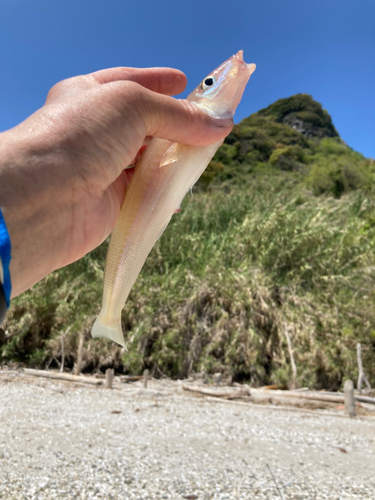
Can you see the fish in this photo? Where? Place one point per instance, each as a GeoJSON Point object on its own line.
{"type": "Point", "coordinates": [164, 173]}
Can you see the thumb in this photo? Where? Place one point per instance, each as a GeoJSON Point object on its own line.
{"type": "Point", "coordinates": [176, 120]}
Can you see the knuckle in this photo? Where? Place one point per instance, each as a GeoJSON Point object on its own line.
{"type": "Point", "coordinates": [56, 90]}
{"type": "Point", "coordinates": [127, 90]}
{"type": "Point", "coordinates": [129, 97]}
{"type": "Point", "coordinates": [190, 110]}
{"type": "Point", "coordinates": [69, 85]}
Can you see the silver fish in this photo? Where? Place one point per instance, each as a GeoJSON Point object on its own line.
{"type": "Point", "coordinates": [162, 177]}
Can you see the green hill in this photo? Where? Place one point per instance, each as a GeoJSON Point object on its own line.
{"type": "Point", "coordinates": [277, 241]}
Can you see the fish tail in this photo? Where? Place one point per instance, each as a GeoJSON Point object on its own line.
{"type": "Point", "coordinates": [112, 331]}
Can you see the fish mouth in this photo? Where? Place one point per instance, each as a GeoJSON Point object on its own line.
{"type": "Point", "coordinates": [239, 56]}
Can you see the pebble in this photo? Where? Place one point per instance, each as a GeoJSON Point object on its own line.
{"type": "Point", "coordinates": [58, 441]}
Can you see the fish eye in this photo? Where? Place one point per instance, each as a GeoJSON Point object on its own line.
{"type": "Point", "coordinates": [207, 83]}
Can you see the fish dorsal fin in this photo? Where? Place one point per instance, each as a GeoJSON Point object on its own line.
{"type": "Point", "coordinates": [170, 156]}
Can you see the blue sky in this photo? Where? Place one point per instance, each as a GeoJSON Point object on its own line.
{"type": "Point", "coordinates": [322, 47]}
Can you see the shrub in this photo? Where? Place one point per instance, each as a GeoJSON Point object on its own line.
{"type": "Point", "coordinates": [338, 176]}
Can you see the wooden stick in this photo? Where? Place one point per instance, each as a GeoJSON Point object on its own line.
{"type": "Point", "coordinates": [274, 479]}
{"type": "Point", "coordinates": [62, 354]}
{"type": "Point", "coordinates": [130, 378]}
{"type": "Point", "coordinates": [349, 398]}
{"type": "Point", "coordinates": [277, 407]}
{"type": "Point", "coordinates": [292, 362]}
{"type": "Point", "coordinates": [57, 362]}
{"type": "Point", "coordinates": [62, 376]}
{"type": "Point", "coordinates": [277, 394]}
{"type": "Point", "coordinates": [109, 374]}
{"type": "Point", "coordinates": [145, 378]}
{"type": "Point", "coordinates": [216, 394]}
{"type": "Point", "coordinates": [305, 395]}
{"type": "Point", "coordinates": [361, 374]}
{"type": "Point", "coordinates": [80, 353]}
{"type": "Point", "coordinates": [49, 362]}
{"type": "Point", "coordinates": [364, 399]}
{"type": "Point", "coordinates": [329, 397]}
{"type": "Point", "coordinates": [62, 348]}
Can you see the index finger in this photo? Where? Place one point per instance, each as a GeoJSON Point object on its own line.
{"type": "Point", "coordinates": [168, 81]}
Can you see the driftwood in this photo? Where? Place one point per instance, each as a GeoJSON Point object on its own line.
{"type": "Point", "coordinates": [324, 397]}
{"type": "Point", "coordinates": [130, 378]}
{"type": "Point", "coordinates": [62, 376]}
{"type": "Point", "coordinates": [361, 374]}
{"type": "Point", "coordinates": [303, 395]}
{"type": "Point", "coordinates": [315, 396]}
{"type": "Point", "coordinates": [349, 398]}
{"type": "Point", "coordinates": [217, 394]}
{"type": "Point", "coordinates": [364, 399]}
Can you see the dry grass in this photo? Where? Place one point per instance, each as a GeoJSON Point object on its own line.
{"type": "Point", "coordinates": [238, 265]}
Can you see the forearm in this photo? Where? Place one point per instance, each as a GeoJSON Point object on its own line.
{"type": "Point", "coordinates": [27, 209]}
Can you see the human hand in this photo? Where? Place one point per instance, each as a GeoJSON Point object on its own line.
{"type": "Point", "coordinates": [62, 171]}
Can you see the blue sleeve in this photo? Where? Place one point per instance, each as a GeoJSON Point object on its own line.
{"type": "Point", "coordinates": [5, 249]}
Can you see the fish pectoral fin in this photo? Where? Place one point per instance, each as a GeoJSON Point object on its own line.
{"type": "Point", "coordinates": [170, 156]}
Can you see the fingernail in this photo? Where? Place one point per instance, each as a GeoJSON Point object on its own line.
{"type": "Point", "coordinates": [222, 122]}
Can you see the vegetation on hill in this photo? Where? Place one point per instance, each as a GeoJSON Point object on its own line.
{"type": "Point", "coordinates": [277, 240]}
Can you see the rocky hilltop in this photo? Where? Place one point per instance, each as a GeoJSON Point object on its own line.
{"type": "Point", "coordinates": [303, 114]}
{"type": "Point", "coordinates": [292, 134]}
